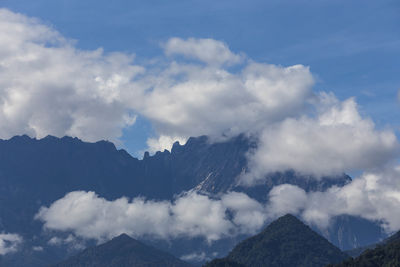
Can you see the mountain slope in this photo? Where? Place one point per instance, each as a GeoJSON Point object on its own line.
{"type": "Point", "coordinates": [122, 251]}
{"type": "Point", "coordinates": [286, 242]}
{"type": "Point", "coordinates": [386, 254]}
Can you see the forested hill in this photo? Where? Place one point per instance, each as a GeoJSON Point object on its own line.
{"type": "Point", "coordinates": [285, 242]}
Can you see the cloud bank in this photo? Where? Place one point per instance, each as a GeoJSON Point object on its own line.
{"type": "Point", "coordinates": [192, 215]}
{"type": "Point", "coordinates": [374, 196]}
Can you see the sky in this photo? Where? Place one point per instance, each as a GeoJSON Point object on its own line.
{"type": "Point", "coordinates": [351, 47]}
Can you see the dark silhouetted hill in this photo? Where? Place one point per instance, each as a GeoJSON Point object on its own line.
{"type": "Point", "coordinates": [122, 251]}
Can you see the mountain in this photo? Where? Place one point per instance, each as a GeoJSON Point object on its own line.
{"type": "Point", "coordinates": [37, 172]}
{"type": "Point", "coordinates": [386, 254]}
{"type": "Point", "coordinates": [285, 242]}
{"type": "Point", "coordinates": [44, 170]}
{"type": "Point", "coordinates": [122, 251]}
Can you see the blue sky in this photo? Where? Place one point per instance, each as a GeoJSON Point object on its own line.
{"type": "Point", "coordinates": [352, 47]}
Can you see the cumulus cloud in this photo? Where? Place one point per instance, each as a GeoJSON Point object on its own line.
{"type": "Point", "coordinates": [191, 215]}
{"type": "Point", "coordinates": [191, 100]}
{"type": "Point", "coordinates": [9, 243]}
{"type": "Point", "coordinates": [374, 196]}
{"type": "Point", "coordinates": [47, 86]}
{"type": "Point", "coordinates": [337, 140]}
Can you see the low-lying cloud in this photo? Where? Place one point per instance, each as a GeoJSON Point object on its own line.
{"type": "Point", "coordinates": [374, 196]}
{"type": "Point", "coordinates": [192, 215]}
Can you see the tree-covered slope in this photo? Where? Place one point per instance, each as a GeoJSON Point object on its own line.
{"type": "Point", "coordinates": [122, 251]}
{"type": "Point", "coordinates": [286, 242]}
{"type": "Point", "coordinates": [385, 254]}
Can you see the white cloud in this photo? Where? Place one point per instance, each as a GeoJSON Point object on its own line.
{"type": "Point", "coordinates": [374, 196]}
{"type": "Point", "coordinates": [9, 243]}
{"type": "Point", "coordinates": [286, 198]}
{"type": "Point", "coordinates": [248, 214]}
{"type": "Point", "coordinates": [191, 215]}
{"type": "Point", "coordinates": [337, 140]}
{"type": "Point", "coordinates": [192, 100]}
{"type": "Point", "coordinates": [209, 51]}
{"type": "Point", "coordinates": [163, 142]}
{"type": "Point", "coordinates": [47, 86]}
{"type": "Point", "coordinates": [195, 257]}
